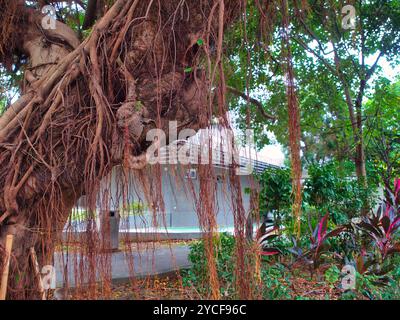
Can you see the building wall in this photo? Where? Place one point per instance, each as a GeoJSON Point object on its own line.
{"type": "Point", "coordinates": [180, 205]}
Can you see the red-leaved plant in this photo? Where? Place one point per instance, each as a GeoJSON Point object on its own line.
{"type": "Point", "coordinates": [264, 242]}
{"type": "Point", "coordinates": [318, 243]}
{"type": "Point", "coordinates": [384, 224]}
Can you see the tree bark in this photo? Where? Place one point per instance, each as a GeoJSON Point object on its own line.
{"type": "Point", "coordinates": [88, 106]}
{"type": "Point", "coordinates": [355, 116]}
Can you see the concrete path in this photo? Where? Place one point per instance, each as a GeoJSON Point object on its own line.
{"type": "Point", "coordinates": [152, 261]}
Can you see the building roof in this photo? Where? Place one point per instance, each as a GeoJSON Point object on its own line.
{"type": "Point", "coordinates": [195, 154]}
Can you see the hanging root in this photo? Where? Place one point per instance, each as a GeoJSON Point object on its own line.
{"type": "Point", "coordinates": [294, 121]}
{"type": "Point", "coordinates": [87, 107]}
{"type": "Point", "coordinates": [9, 34]}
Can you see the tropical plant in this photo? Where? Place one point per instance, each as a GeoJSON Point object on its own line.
{"type": "Point", "coordinates": [332, 275]}
{"type": "Point", "coordinates": [265, 241]}
{"type": "Point", "coordinates": [382, 226]}
{"type": "Point", "coordinates": [374, 243]}
{"type": "Point", "coordinates": [318, 244]}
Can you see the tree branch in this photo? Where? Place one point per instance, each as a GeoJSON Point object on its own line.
{"type": "Point", "coordinates": [255, 102]}
{"type": "Point", "coordinates": [318, 56]}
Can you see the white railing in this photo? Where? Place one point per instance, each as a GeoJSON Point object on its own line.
{"type": "Point", "coordinates": [219, 158]}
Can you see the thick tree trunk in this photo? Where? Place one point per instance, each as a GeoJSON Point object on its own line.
{"type": "Point", "coordinates": [88, 106]}
{"type": "Point", "coordinates": [22, 283]}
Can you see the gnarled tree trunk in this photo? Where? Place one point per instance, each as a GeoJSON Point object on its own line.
{"type": "Point", "coordinates": [87, 106]}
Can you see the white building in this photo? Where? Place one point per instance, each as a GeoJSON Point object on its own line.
{"type": "Point", "coordinates": [123, 192]}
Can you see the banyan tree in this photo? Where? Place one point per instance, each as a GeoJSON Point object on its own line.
{"type": "Point", "coordinates": [87, 99]}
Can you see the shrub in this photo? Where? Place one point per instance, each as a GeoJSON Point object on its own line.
{"type": "Point", "coordinates": [318, 245]}
{"type": "Point", "coordinates": [276, 188]}
{"type": "Point", "coordinates": [329, 188]}
{"type": "Point", "coordinates": [197, 275]}
{"type": "Point", "coordinates": [272, 276]}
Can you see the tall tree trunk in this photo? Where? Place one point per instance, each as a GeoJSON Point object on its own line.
{"type": "Point", "coordinates": [294, 120]}
{"type": "Point", "coordinates": [355, 116]}
{"type": "Point", "coordinates": [360, 161]}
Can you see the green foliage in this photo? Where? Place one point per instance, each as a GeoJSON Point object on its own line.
{"type": "Point", "coordinates": [3, 104]}
{"type": "Point", "coordinates": [368, 285]}
{"type": "Point", "coordinates": [302, 298]}
{"type": "Point", "coordinates": [325, 121]}
{"type": "Point", "coordinates": [383, 139]}
{"type": "Point", "coordinates": [332, 275]}
{"type": "Point", "coordinates": [275, 279]}
{"type": "Point", "coordinates": [197, 275]}
{"type": "Point", "coordinates": [330, 188]}
{"type": "Point", "coordinates": [375, 287]}
{"type": "Point", "coordinates": [79, 215]}
{"type": "Point", "coordinates": [349, 295]}
{"type": "Point", "coordinates": [73, 15]}
{"type": "Point", "coordinates": [10, 81]}
{"type": "Point", "coordinates": [133, 208]}
{"type": "Point", "coordinates": [276, 282]}
{"type": "Point", "coordinates": [321, 185]}
{"type": "Point", "coordinates": [392, 290]}
{"type": "Point", "coordinates": [276, 188]}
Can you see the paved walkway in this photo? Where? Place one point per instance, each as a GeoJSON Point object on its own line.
{"type": "Point", "coordinates": [152, 261]}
